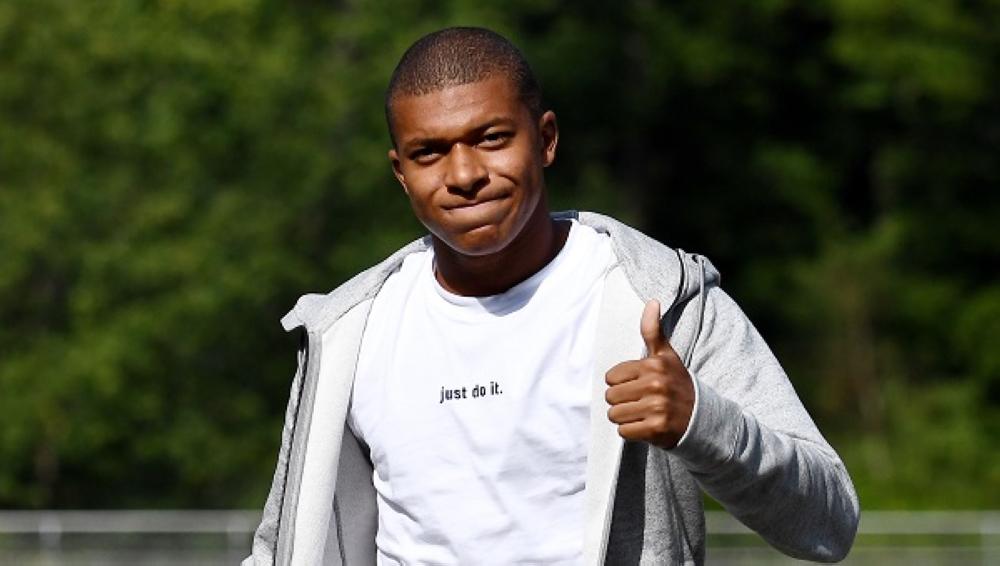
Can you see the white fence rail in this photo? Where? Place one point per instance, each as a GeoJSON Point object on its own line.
{"type": "Point", "coordinates": [122, 522]}
{"type": "Point", "coordinates": [240, 522]}
{"type": "Point", "coordinates": [983, 523]}
{"type": "Point", "coordinates": [222, 537]}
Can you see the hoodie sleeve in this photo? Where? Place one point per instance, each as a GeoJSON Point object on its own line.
{"type": "Point", "coordinates": [752, 446]}
{"type": "Point", "coordinates": [265, 538]}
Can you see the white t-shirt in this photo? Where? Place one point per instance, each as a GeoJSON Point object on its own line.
{"type": "Point", "coordinates": [476, 411]}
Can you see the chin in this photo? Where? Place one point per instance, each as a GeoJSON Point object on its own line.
{"type": "Point", "coordinates": [482, 241]}
{"type": "Point", "coordinates": [480, 237]}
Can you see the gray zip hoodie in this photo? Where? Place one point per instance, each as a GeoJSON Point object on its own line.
{"type": "Point", "coordinates": [750, 445]}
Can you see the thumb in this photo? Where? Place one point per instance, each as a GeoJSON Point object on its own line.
{"type": "Point", "coordinates": [649, 326]}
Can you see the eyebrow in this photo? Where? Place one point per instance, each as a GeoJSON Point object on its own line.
{"type": "Point", "coordinates": [431, 140]}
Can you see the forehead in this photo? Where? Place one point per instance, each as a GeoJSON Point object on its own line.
{"type": "Point", "coordinates": [455, 109]}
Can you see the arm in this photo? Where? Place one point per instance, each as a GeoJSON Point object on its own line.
{"type": "Point", "coordinates": [741, 431]}
{"type": "Point", "coordinates": [753, 447]}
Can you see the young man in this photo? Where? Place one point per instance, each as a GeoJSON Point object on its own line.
{"type": "Point", "coordinates": [503, 391]}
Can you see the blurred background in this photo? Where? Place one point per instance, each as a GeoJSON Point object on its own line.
{"type": "Point", "coordinates": [174, 173]}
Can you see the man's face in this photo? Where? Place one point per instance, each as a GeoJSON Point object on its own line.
{"type": "Point", "coordinates": [470, 157]}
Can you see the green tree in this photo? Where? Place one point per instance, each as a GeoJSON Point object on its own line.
{"type": "Point", "coordinates": [173, 173]}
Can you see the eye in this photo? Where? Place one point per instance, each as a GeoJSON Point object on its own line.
{"type": "Point", "coordinates": [423, 154]}
{"type": "Point", "coordinates": [495, 139]}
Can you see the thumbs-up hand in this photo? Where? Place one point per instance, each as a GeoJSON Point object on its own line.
{"type": "Point", "coordinates": [651, 399]}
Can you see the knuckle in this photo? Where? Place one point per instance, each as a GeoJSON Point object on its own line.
{"type": "Point", "coordinates": [657, 364]}
{"type": "Point", "coordinates": [656, 385]}
{"type": "Point", "coordinates": [658, 406]}
{"type": "Point", "coordinates": [658, 423]}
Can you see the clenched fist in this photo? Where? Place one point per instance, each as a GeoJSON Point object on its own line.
{"type": "Point", "coordinates": [651, 399]}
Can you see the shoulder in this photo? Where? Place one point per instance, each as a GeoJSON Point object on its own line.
{"type": "Point", "coordinates": [653, 269]}
{"type": "Point", "coordinates": [317, 311]}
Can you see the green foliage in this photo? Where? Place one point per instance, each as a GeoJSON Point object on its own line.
{"type": "Point", "coordinates": [173, 173]}
{"type": "Point", "coordinates": [168, 188]}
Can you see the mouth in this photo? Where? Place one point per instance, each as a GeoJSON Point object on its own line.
{"type": "Point", "coordinates": [475, 203]}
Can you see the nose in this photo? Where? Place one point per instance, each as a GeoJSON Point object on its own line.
{"type": "Point", "coordinates": [465, 172]}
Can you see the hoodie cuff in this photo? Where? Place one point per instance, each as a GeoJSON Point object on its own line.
{"type": "Point", "coordinates": [710, 438]}
{"type": "Point", "coordinates": [694, 412]}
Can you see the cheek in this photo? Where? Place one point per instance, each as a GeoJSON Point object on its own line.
{"type": "Point", "coordinates": [517, 166]}
{"type": "Point", "coordinates": [420, 189]}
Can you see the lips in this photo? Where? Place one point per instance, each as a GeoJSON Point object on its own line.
{"type": "Point", "coordinates": [474, 203]}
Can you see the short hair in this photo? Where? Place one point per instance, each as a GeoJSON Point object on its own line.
{"type": "Point", "coordinates": [457, 56]}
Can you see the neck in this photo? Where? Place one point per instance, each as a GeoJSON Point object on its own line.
{"type": "Point", "coordinates": [480, 276]}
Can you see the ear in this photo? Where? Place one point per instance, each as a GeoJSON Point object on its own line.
{"type": "Point", "coordinates": [548, 129]}
{"type": "Point", "coordinates": [397, 170]}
